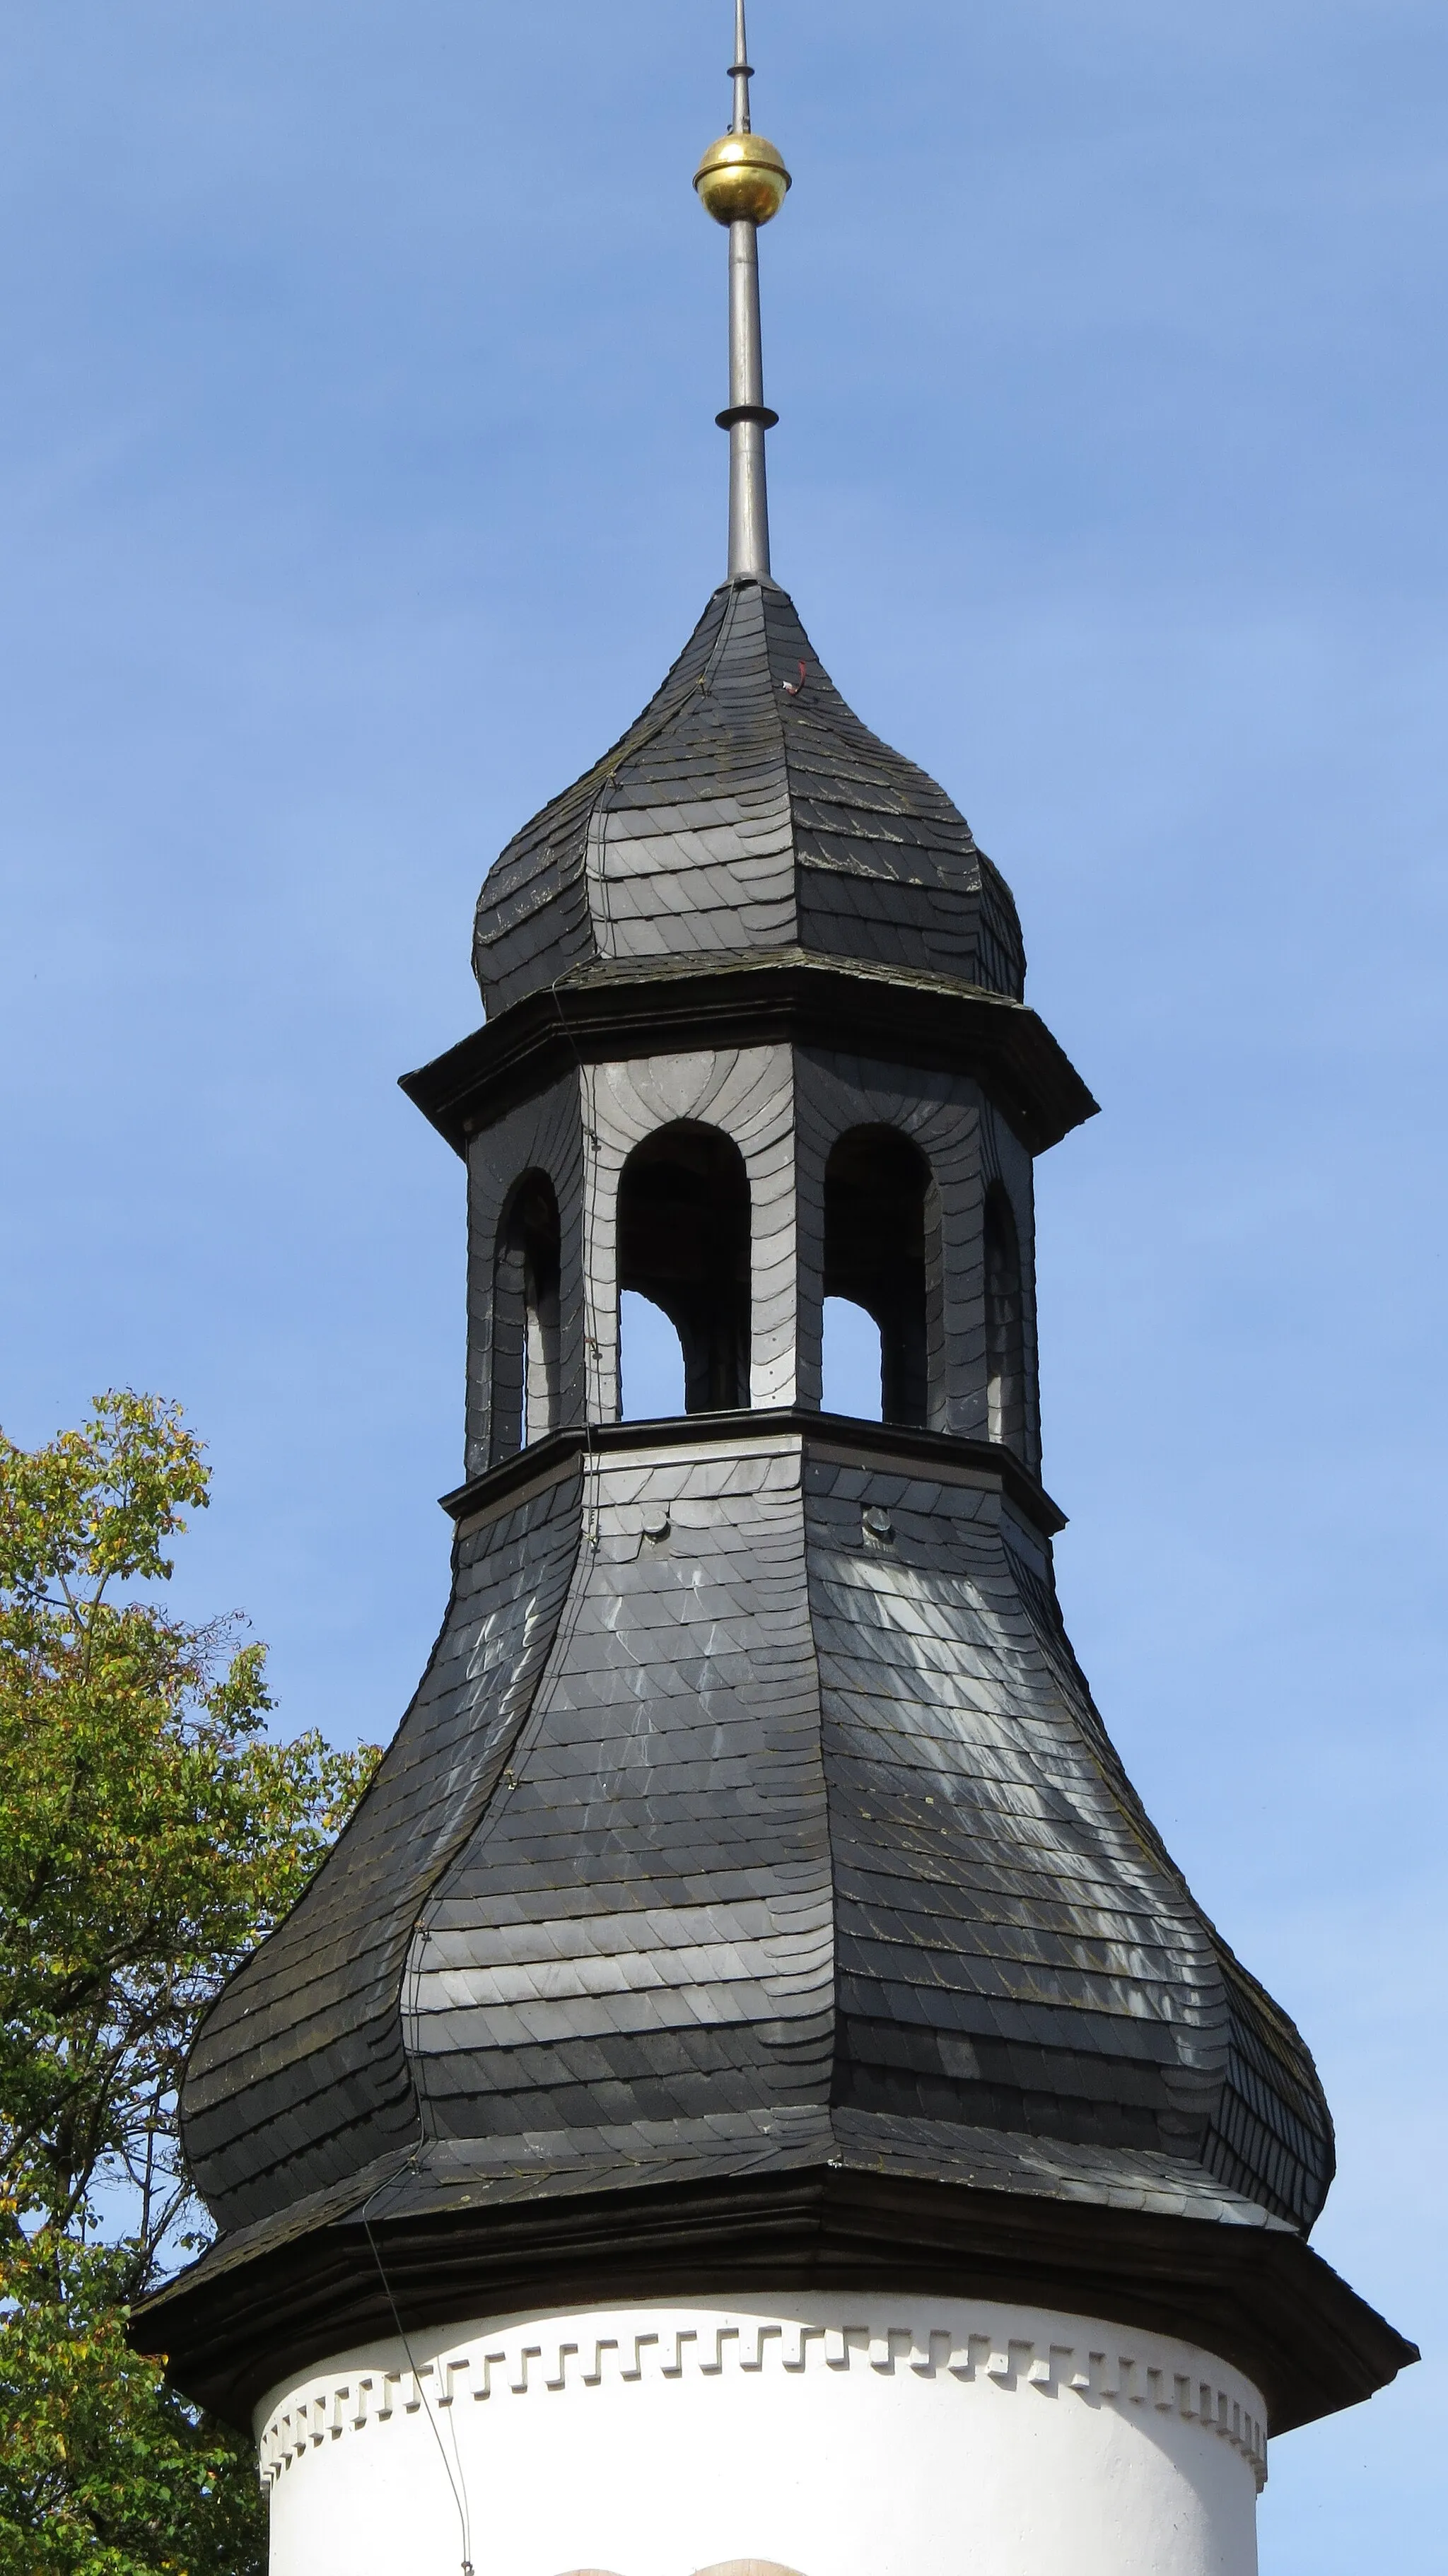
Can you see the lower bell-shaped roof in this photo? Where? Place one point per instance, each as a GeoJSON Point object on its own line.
{"type": "Point", "coordinates": [753, 1834]}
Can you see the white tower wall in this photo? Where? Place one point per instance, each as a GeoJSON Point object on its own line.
{"type": "Point", "coordinates": [828, 2435]}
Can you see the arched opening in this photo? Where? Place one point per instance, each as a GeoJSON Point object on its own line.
{"type": "Point", "coordinates": [525, 1318]}
{"type": "Point", "coordinates": [683, 1243]}
{"type": "Point", "coordinates": [748, 2567]}
{"type": "Point", "coordinates": [650, 1361]}
{"type": "Point", "coordinates": [852, 1361]}
{"type": "Point", "coordinates": [877, 1185]}
{"type": "Point", "coordinates": [1005, 1332]}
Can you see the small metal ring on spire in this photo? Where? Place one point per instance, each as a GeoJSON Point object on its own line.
{"type": "Point", "coordinates": [761, 412]}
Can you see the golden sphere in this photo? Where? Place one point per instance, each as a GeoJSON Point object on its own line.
{"type": "Point", "coordinates": [741, 176]}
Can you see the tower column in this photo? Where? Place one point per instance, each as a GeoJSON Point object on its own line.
{"type": "Point", "coordinates": [750, 2093]}
{"type": "Point", "coordinates": [882, 2435]}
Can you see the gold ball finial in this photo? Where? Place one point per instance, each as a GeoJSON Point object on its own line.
{"type": "Point", "coordinates": [741, 178]}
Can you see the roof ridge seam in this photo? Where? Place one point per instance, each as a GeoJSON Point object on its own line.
{"type": "Point", "coordinates": [777, 711]}
{"type": "Point", "coordinates": [638, 739]}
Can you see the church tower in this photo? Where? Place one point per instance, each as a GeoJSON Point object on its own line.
{"type": "Point", "coordinates": [750, 2089]}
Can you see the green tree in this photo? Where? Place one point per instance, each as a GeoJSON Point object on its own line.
{"type": "Point", "coordinates": [150, 1833]}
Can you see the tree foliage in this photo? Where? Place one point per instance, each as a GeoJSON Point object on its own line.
{"type": "Point", "coordinates": [104, 2471]}
{"type": "Point", "coordinates": [150, 1832]}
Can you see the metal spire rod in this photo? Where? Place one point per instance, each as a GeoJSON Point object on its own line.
{"type": "Point", "coordinates": [741, 72]}
{"type": "Point", "coordinates": [742, 182]}
{"type": "Point", "coordinates": [748, 416]}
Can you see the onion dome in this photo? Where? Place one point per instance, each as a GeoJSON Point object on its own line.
{"type": "Point", "coordinates": [747, 809]}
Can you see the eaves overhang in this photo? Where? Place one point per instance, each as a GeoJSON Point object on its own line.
{"type": "Point", "coordinates": [255, 2312]}
{"type": "Point", "coordinates": [625, 1010]}
{"type": "Point", "coordinates": [832, 1436]}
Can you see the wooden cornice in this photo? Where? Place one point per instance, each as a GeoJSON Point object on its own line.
{"type": "Point", "coordinates": [616, 1012]}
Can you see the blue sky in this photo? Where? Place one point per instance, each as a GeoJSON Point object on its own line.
{"type": "Point", "coordinates": [358, 479]}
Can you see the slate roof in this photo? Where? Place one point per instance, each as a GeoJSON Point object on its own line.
{"type": "Point", "coordinates": [747, 809]}
{"type": "Point", "coordinates": [686, 1844]}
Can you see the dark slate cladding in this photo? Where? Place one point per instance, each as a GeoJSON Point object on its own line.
{"type": "Point", "coordinates": [640, 1929]}
{"type": "Point", "coordinates": [300, 2076]}
{"type": "Point", "coordinates": [1017, 1951]}
{"type": "Point", "coordinates": [746, 810]}
{"type": "Point", "coordinates": [770, 1821]}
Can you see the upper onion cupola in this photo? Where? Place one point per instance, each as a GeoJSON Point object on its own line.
{"type": "Point", "coordinates": [747, 809]}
